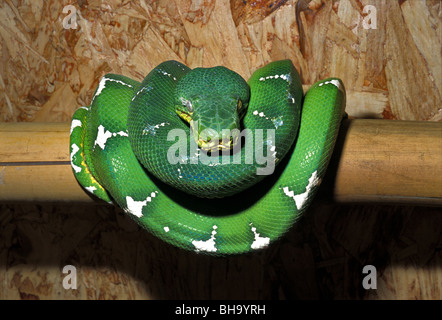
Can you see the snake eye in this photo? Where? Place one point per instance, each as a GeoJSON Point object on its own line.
{"type": "Point", "coordinates": [189, 106]}
{"type": "Point", "coordinates": [239, 105]}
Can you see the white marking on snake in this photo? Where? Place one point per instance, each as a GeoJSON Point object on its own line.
{"type": "Point", "coordinates": [102, 85]}
{"type": "Point", "coordinates": [147, 89]}
{"type": "Point", "coordinates": [273, 149]}
{"type": "Point", "coordinates": [167, 74]}
{"type": "Point", "coordinates": [103, 135]}
{"type": "Point", "coordinates": [208, 245]}
{"type": "Point", "coordinates": [136, 207]}
{"type": "Point", "coordinates": [74, 124]}
{"type": "Point", "coordinates": [277, 122]}
{"type": "Point", "coordinates": [161, 124]}
{"type": "Point", "coordinates": [75, 149]}
{"type": "Point", "coordinates": [91, 189]}
{"type": "Point", "coordinates": [260, 114]}
{"type": "Point", "coordinates": [334, 82]}
{"type": "Point", "coordinates": [292, 99]}
{"type": "Point", "coordinates": [166, 229]}
{"type": "Point", "coordinates": [259, 242]}
{"type": "Point", "coordinates": [300, 199]}
{"type": "Point", "coordinates": [214, 164]}
{"type": "Point", "coordinates": [152, 129]}
{"type": "Point", "coordinates": [285, 77]}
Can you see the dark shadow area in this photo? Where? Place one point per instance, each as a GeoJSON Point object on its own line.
{"type": "Point", "coordinates": [321, 257]}
{"type": "Point", "coordinates": [328, 182]}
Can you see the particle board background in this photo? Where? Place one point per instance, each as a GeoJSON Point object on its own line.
{"type": "Point", "coordinates": [391, 72]}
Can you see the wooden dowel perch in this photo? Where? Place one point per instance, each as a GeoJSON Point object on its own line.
{"type": "Point", "coordinates": [375, 161]}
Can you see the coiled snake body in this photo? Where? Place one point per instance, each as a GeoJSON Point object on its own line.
{"type": "Point", "coordinates": [203, 159]}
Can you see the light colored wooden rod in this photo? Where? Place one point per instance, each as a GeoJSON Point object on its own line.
{"type": "Point", "coordinates": [35, 164]}
{"type": "Point", "coordinates": [385, 161]}
{"type": "Point", "coordinates": [375, 161]}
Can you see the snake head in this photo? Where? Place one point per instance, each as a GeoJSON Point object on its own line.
{"type": "Point", "coordinates": [212, 101]}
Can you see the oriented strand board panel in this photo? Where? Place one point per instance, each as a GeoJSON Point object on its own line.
{"type": "Point", "coordinates": [387, 52]}
{"type": "Point", "coordinates": [52, 56]}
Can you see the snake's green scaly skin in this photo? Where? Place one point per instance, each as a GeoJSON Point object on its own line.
{"type": "Point", "coordinates": [240, 211]}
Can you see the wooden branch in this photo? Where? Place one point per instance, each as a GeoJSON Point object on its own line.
{"type": "Point", "coordinates": [375, 161]}
{"type": "Point", "coordinates": [387, 161]}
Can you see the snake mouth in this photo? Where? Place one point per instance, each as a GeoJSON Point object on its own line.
{"type": "Point", "coordinates": [218, 144]}
{"type": "Point", "coordinates": [205, 142]}
{"type": "Point", "coordinates": [185, 116]}
{"type": "Point", "coordinates": [210, 140]}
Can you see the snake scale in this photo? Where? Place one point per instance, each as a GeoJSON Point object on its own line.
{"type": "Point", "coordinates": [205, 160]}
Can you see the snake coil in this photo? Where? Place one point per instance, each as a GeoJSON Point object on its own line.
{"type": "Point", "coordinates": [131, 147]}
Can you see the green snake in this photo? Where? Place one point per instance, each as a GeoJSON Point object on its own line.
{"type": "Point", "coordinates": [205, 160]}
